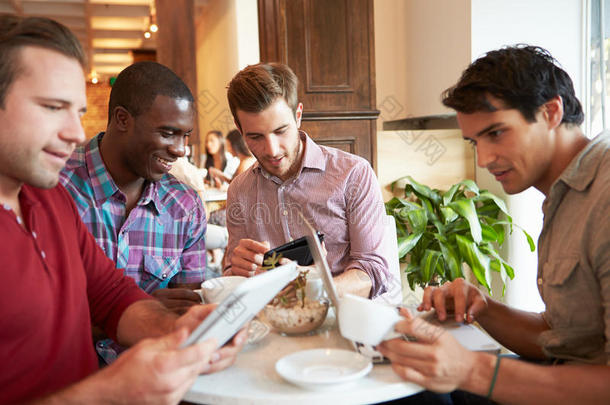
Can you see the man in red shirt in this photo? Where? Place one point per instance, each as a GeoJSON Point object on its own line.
{"type": "Point", "coordinates": [56, 281]}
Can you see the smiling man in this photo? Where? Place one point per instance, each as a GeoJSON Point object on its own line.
{"type": "Point", "coordinates": [518, 108]}
{"type": "Point", "coordinates": [144, 219]}
{"type": "Point", "coordinates": [336, 191]}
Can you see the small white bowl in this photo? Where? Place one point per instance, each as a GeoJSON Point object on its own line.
{"type": "Point", "coordinates": [217, 289]}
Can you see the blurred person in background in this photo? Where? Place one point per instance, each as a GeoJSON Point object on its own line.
{"type": "Point", "coordinates": [218, 162]}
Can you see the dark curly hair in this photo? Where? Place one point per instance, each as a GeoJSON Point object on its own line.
{"type": "Point", "coordinates": [523, 77]}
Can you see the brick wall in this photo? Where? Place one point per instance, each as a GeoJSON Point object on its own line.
{"type": "Point", "coordinates": [96, 118]}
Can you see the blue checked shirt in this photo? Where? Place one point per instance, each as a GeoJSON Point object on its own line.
{"type": "Point", "coordinates": [160, 242]}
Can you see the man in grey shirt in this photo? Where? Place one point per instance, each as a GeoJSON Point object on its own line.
{"type": "Point", "coordinates": [519, 110]}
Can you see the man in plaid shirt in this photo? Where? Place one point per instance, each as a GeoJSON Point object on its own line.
{"type": "Point", "coordinates": [143, 218]}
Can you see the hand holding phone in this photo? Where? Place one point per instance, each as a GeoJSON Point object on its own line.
{"type": "Point", "coordinates": [247, 257]}
{"type": "Point", "coordinates": [297, 250]}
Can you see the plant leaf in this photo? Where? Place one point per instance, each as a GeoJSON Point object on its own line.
{"type": "Point", "coordinates": [428, 264]}
{"type": "Point", "coordinates": [466, 209]}
{"type": "Point", "coordinates": [405, 244]}
{"type": "Point", "coordinates": [489, 234]}
{"type": "Point", "coordinates": [452, 260]}
{"type": "Point", "coordinates": [448, 196]}
{"type": "Point", "coordinates": [418, 220]}
{"type": "Point", "coordinates": [470, 185]}
{"type": "Point", "coordinates": [478, 262]}
{"type": "Point", "coordinates": [486, 195]}
{"type": "Point", "coordinates": [449, 215]}
{"type": "Point", "coordinates": [423, 191]}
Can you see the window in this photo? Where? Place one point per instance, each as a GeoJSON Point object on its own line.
{"type": "Point", "coordinates": [597, 101]}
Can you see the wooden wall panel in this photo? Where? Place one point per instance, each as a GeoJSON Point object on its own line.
{"type": "Point", "coordinates": [330, 46]}
{"type": "Point", "coordinates": [176, 44]}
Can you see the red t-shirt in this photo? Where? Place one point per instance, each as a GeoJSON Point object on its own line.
{"type": "Point", "coordinates": [54, 281]}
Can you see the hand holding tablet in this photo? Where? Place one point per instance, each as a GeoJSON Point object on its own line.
{"type": "Point", "coordinates": [246, 300]}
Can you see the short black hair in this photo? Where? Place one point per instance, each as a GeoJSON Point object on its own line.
{"type": "Point", "coordinates": [137, 86]}
{"type": "Point", "coordinates": [17, 32]}
{"type": "Point", "coordinates": [523, 77]}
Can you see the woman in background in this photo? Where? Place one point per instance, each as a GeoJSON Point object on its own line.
{"type": "Point", "coordinates": [220, 164]}
{"type": "Point", "coordinates": [237, 147]}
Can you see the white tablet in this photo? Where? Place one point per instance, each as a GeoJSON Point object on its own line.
{"type": "Point", "coordinates": [242, 305]}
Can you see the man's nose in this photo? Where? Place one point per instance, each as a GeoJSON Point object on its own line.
{"type": "Point", "coordinates": [272, 145]}
{"type": "Point", "coordinates": [485, 155]}
{"type": "Point", "coordinates": [72, 130]}
{"type": "Point", "coordinates": [178, 148]}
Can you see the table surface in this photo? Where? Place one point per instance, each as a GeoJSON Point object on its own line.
{"type": "Point", "coordinates": [253, 379]}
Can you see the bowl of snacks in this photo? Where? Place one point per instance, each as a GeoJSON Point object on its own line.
{"type": "Point", "coordinates": [299, 318]}
{"type": "Point", "coordinates": [299, 308]}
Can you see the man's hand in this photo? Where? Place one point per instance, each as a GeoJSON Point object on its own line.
{"type": "Point", "coordinates": [247, 257]}
{"type": "Point", "coordinates": [179, 300]}
{"type": "Point", "coordinates": [466, 301]}
{"type": "Point", "coordinates": [156, 371]}
{"type": "Point", "coordinates": [435, 360]}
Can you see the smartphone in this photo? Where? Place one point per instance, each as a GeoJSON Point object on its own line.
{"type": "Point", "coordinates": [297, 250]}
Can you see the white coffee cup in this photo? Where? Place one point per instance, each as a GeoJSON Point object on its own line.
{"type": "Point", "coordinates": [314, 289]}
{"type": "Point", "coordinates": [365, 321]}
{"type": "Point", "coordinates": [215, 290]}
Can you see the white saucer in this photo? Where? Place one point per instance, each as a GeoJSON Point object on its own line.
{"type": "Point", "coordinates": [320, 368]}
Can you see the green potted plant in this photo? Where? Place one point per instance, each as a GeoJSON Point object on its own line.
{"type": "Point", "coordinates": [438, 231]}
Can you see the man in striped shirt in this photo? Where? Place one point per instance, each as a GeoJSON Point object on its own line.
{"type": "Point", "coordinates": [336, 191]}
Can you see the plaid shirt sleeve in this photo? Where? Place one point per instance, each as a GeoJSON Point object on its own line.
{"type": "Point", "coordinates": [193, 260]}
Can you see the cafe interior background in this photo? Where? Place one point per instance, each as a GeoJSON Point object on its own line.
{"type": "Point", "coordinates": [371, 73]}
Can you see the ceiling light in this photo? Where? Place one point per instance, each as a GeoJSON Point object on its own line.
{"type": "Point", "coordinates": [147, 35]}
{"type": "Point", "coordinates": [153, 27]}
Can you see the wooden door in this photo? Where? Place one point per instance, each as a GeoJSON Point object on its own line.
{"type": "Point", "coordinates": [329, 44]}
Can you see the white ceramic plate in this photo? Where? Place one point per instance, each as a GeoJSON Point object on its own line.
{"type": "Point", "coordinates": [320, 368]}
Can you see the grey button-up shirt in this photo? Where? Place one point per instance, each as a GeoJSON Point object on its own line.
{"type": "Point", "coordinates": [574, 258]}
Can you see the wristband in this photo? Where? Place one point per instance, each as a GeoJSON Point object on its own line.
{"type": "Point", "coordinates": [495, 375]}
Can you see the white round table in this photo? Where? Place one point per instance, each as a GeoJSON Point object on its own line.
{"type": "Point", "coordinates": [253, 379]}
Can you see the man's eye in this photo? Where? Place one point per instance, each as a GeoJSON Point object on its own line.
{"type": "Point", "coordinates": [52, 107]}
{"type": "Point", "coordinates": [495, 133]}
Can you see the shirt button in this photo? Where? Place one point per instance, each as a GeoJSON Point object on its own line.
{"type": "Point", "coordinates": [19, 220]}
{"type": "Point", "coordinates": [285, 212]}
{"type": "Point", "coordinates": [540, 281]}
{"type": "Point", "coordinates": [164, 276]}
{"type": "Point", "coordinates": [34, 234]}
{"type": "Point", "coordinates": [6, 207]}
{"type": "Point", "coordinates": [43, 254]}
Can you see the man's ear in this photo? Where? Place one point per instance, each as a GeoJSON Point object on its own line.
{"type": "Point", "coordinates": [552, 112]}
{"type": "Point", "coordinates": [121, 118]}
{"type": "Point", "coordinates": [299, 114]}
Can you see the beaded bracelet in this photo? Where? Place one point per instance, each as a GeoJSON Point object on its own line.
{"type": "Point", "coordinates": [495, 375]}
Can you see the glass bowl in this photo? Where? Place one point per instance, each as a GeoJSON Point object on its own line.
{"type": "Point", "coordinates": [297, 319]}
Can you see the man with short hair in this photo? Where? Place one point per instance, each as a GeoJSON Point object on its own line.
{"type": "Point", "coordinates": [519, 110]}
{"type": "Point", "coordinates": [147, 221]}
{"type": "Point", "coordinates": [56, 280]}
{"type": "Point", "coordinates": [336, 191]}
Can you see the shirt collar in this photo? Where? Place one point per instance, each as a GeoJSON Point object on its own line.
{"type": "Point", "coordinates": [583, 168]}
{"type": "Point", "coordinates": [104, 186]}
